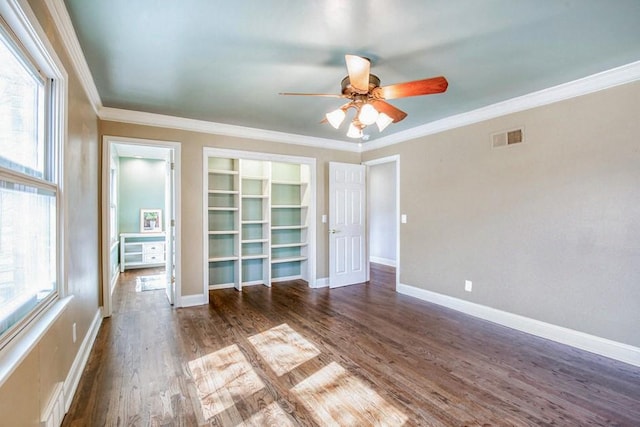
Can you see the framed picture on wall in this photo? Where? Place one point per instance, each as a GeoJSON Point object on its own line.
{"type": "Point", "coordinates": [150, 220]}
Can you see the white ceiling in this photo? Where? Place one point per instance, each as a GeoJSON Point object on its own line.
{"type": "Point", "coordinates": [226, 62]}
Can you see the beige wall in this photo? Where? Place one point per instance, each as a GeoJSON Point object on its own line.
{"type": "Point", "coordinates": [192, 144]}
{"type": "Point", "coordinates": [24, 394]}
{"type": "Point", "coordinates": [548, 229]}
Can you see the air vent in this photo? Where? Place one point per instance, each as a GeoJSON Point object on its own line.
{"type": "Point", "coordinates": [509, 137]}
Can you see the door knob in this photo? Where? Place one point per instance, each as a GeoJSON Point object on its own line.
{"type": "Point", "coordinates": [334, 231]}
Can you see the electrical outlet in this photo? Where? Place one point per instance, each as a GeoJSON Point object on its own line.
{"type": "Point", "coordinates": [73, 330]}
{"type": "Point", "coordinates": [403, 218]}
{"type": "Point", "coordinates": [468, 285]}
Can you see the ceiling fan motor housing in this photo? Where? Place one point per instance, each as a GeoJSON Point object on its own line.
{"type": "Point", "coordinates": [350, 91]}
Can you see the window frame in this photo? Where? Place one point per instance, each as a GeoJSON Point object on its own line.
{"type": "Point", "coordinates": [20, 25]}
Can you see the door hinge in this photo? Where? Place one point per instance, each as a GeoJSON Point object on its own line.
{"type": "Point", "coordinates": [173, 222]}
{"type": "Point", "coordinates": [173, 166]}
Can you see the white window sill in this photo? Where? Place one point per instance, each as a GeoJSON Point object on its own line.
{"type": "Point", "coordinates": [17, 350]}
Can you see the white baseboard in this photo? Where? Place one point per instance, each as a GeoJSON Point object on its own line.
{"type": "Point", "coordinates": [322, 282]}
{"type": "Point", "coordinates": [193, 300]}
{"type": "Point", "coordinates": [602, 346]}
{"type": "Point", "coordinates": [384, 261]}
{"type": "Point", "coordinates": [79, 363]}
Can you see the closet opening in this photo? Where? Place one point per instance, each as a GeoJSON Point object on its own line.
{"type": "Point", "coordinates": [259, 219]}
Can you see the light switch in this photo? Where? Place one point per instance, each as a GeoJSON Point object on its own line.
{"type": "Point", "coordinates": [324, 219]}
{"type": "Point", "coordinates": [403, 218]}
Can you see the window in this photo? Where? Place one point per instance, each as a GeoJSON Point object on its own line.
{"type": "Point", "coordinates": [29, 219]}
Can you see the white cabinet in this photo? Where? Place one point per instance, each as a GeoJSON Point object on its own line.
{"type": "Point", "coordinates": [139, 250]}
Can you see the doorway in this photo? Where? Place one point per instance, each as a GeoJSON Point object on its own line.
{"type": "Point", "coordinates": [383, 225]}
{"type": "Point", "coordinates": [141, 205]}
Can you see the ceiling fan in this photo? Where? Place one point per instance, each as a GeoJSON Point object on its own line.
{"type": "Point", "coordinates": [367, 97]}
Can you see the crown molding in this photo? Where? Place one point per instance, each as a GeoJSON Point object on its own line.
{"type": "Point", "coordinates": [604, 80]}
{"type": "Point", "coordinates": [62, 20]}
{"type": "Point", "coordinates": [160, 120]}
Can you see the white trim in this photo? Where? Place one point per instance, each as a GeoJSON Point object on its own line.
{"type": "Point", "coordinates": [20, 346]}
{"type": "Point", "coordinates": [383, 261]}
{"type": "Point", "coordinates": [604, 347]}
{"type": "Point", "coordinates": [287, 279]}
{"type": "Point", "coordinates": [205, 228]}
{"type": "Point", "coordinates": [322, 282]}
{"type": "Point", "coordinates": [604, 80]}
{"type": "Point", "coordinates": [114, 280]}
{"type": "Point", "coordinates": [173, 122]}
{"type": "Point", "coordinates": [79, 363]}
{"type": "Point", "coordinates": [193, 300]}
{"type": "Point", "coordinates": [70, 41]}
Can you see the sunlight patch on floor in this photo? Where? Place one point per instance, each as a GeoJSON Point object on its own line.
{"type": "Point", "coordinates": [271, 415]}
{"type": "Point", "coordinates": [283, 348]}
{"type": "Point", "coordinates": [151, 283]}
{"type": "Point", "coordinates": [336, 398]}
{"type": "Point", "coordinates": [222, 378]}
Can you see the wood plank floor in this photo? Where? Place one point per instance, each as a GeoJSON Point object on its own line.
{"type": "Point", "coordinates": [359, 355]}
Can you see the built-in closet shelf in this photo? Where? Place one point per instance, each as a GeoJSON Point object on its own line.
{"type": "Point", "coordinates": [223, 192]}
{"type": "Point", "coordinates": [223, 258]}
{"type": "Point", "coordinates": [223, 172]}
{"type": "Point", "coordinates": [289, 206]}
{"type": "Point", "coordinates": [252, 203]}
{"type": "Point", "coordinates": [289, 227]}
{"type": "Point", "coordinates": [288, 259]}
{"type": "Point", "coordinates": [223, 209]}
{"type": "Point", "coordinates": [260, 256]}
{"type": "Point", "coordinates": [255, 241]}
{"type": "Point", "coordinates": [289, 245]}
{"type": "Point", "coordinates": [279, 182]}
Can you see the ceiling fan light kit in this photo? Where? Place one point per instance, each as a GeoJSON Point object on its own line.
{"type": "Point", "coordinates": [368, 98]}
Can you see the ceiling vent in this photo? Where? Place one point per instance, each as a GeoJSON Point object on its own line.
{"type": "Point", "coordinates": [505, 138]}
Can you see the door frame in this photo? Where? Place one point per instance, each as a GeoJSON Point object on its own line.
{"type": "Point", "coordinates": [107, 150]}
{"type": "Point", "coordinates": [389, 159]}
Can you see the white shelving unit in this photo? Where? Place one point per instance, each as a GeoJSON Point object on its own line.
{"type": "Point", "coordinates": [140, 250]}
{"type": "Point", "coordinates": [223, 224]}
{"type": "Point", "coordinates": [261, 234]}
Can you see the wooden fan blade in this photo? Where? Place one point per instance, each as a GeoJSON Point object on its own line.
{"type": "Point", "coordinates": [415, 88]}
{"type": "Point", "coordinates": [391, 111]}
{"type": "Point", "coordinates": [358, 68]}
{"type": "Point", "coordinates": [326, 95]}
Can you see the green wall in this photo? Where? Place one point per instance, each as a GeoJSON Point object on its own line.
{"type": "Point", "coordinates": [141, 185]}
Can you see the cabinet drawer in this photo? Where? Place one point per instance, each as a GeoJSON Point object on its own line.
{"type": "Point", "coordinates": [153, 248]}
{"type": "Point", "coordinates": [153, 258]}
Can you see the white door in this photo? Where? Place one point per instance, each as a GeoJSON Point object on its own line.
{"type": "Point", "coordinates": [347, 240]}
{"type": "Point", "coordinates": [170, 228]}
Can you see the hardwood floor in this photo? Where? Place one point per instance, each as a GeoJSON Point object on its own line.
{"type": "Point", "coordinates": [359, 355]}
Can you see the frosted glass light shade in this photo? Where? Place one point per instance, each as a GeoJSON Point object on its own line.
{"type": "Point", "coordinates": [336, 117]}
{"type": "Point", "coordinates": [383, 121]}
{"type": "Point", "coordinates": [368, 115]}
{"type": "Point", "coordinates": [354, 131]}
